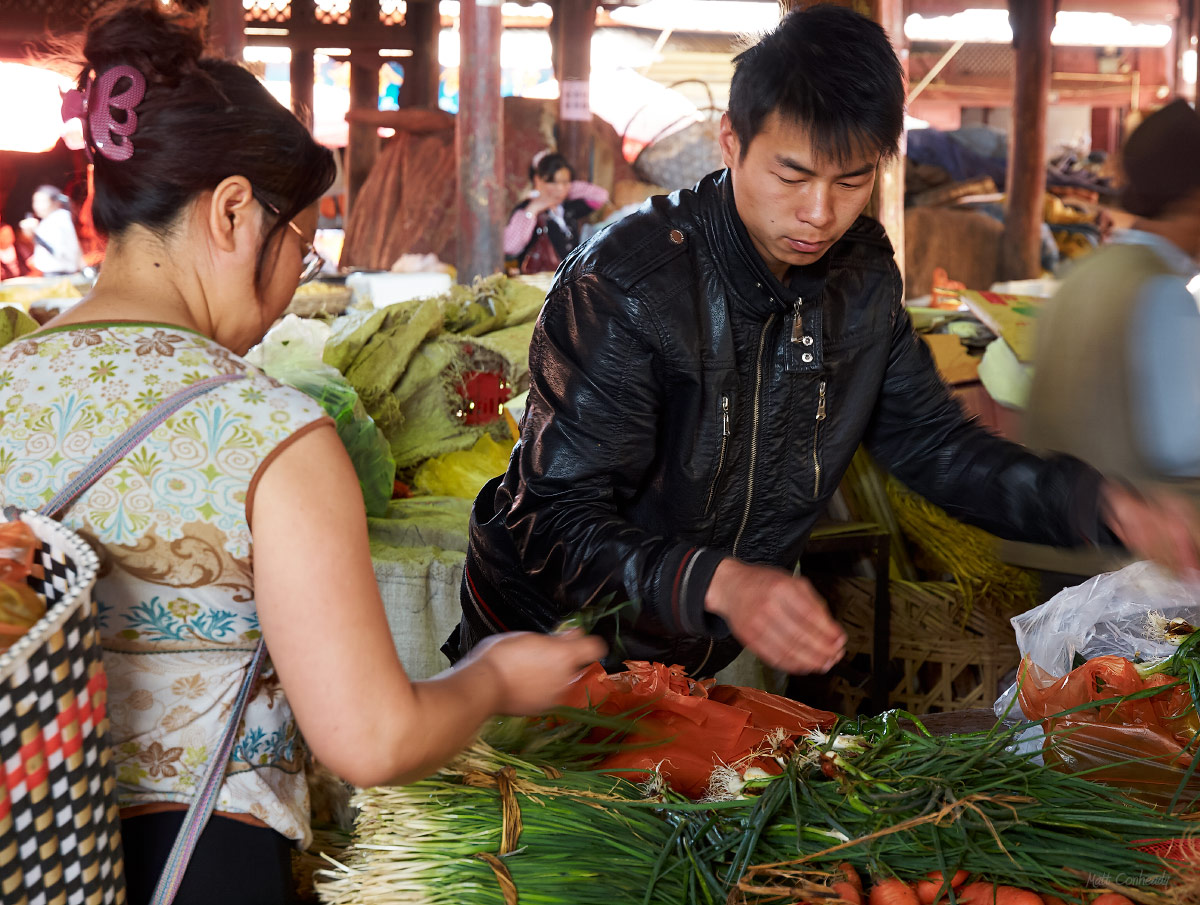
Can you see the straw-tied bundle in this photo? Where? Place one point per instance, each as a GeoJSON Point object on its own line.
{"type": "Point", "coordinates": [492, 828]}
{"type": "Point", "coordinates": [892, 801]}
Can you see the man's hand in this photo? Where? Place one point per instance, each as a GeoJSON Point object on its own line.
{"type": "Point", "coordinates": [28, 226]}
{"type": "Point", "coordinates": [1164, 527]}
{"type": "Point", "coordinates": [779, 617]}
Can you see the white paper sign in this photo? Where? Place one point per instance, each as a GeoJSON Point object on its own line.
{"type": "Point", "coordinates": [574, 103]}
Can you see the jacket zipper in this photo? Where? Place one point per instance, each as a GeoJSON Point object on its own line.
{"type": "Point", "coordinates": [762, 342]}
{"type": "Point", "coordinates": [798, 323]}
{"type": "Point", "coordinates": [816, 436]}
{"type": "Point", "coordinates": [712, 488]}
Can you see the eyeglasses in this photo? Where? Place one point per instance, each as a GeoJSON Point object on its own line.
{"type": "Point", "coordinates": [313, 262]}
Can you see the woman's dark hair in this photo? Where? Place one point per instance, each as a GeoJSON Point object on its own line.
{"type": "Point", "coordinates": [547, 166]}
{"type": "Point", "coordinates": [830, 69]}
{"type": "Point", "coordinates": [202, 120]}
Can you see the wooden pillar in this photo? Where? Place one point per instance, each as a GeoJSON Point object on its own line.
{"type": "Point", "coordinates": [479, 142]}
{"type": "Point", "coordinates": [424, 22]}
{"type": "Point", "coordinates": [1187, 32]}
{"type": "Point", "coordinates": [1020, 252]}
{"type": "Point", "coordinates": [1106, 129]}
{"type": "Point", "coordinates": [362, 146]}
{"type": "Point", "coordinates": [302, 72]}
{"type": "Point", "coordinates": [227, 28]}
{"type": "Point", "coordinates": [889, 183]}
{"type": "Point", "coordinates": [574, 22]}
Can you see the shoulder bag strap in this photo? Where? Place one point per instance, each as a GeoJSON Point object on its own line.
{"type": "Point", "coordinates": [205, 801]}
{"type": "Point", "coordinates": [124, 444]}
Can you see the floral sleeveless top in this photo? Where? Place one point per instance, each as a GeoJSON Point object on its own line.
{"type": "Point", "coordinates": [176, 592]}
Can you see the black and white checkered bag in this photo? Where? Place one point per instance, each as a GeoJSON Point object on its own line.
{"type": "Point", "coordinates": [60, 839]}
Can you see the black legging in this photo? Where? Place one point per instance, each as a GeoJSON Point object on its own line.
{"type": "Point", "coordinates": [233, 863]}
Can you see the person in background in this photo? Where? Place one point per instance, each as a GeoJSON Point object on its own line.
{"type": "Point", "coordinates": [240, 517]}
{"type": "Point", "coordinates": [546, 226]}
{"type": "Point", "coordinates": [703, 371]}
{"type": "Point", "coordinates": [1117, 376]}
{"type": "Point", "coordinates": [56, 249]}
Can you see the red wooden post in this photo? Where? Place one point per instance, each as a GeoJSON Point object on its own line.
{"type": "Point", "coordinates": [302, 72]}
{"type": "Point", "coordinates": [575, 21]}
{"type": "Point", "coordinates": [1032, 21]}
{"type": "Point", "coordinates": [479, 142]}
{"type": "Point", "coordinates": [362, 146]}
{"type": "Point", "coordinates": [889, 189]}
{"type": "Point", "coordinates": [421, 71]}
{"type": "Point", "coordinates": [226, 28]}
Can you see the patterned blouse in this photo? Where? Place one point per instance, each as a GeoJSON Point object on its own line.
{"type": "Point", "coordinates": [176, 592]}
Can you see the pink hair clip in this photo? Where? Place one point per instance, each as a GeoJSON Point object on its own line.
{"type": "Point", "coordinates": [94, 106]}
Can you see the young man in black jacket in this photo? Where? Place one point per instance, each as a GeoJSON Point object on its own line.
{"type": "Point", "coordinates": [704, 369]}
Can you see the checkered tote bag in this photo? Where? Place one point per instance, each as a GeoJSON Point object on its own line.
{"type": "Point", "coordinates": [60, 838]}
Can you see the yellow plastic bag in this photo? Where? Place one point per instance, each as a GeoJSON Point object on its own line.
{"type": "Point", "coordinates": [463, 473]}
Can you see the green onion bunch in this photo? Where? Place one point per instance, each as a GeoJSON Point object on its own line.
{"type": "Point", "coordinates": [879, 793]}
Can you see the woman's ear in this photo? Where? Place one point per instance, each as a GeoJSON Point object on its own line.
{"type": "Point", "coordinates": [232, 211]}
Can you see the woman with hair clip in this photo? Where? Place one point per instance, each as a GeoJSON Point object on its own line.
{"type": "Point", "coordinates": [237, 519]}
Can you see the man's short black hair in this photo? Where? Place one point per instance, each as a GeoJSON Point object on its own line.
{"type": "Point", "coordinates": [831, 70]}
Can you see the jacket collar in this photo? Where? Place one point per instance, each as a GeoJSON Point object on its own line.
{"type": "Point", "coordinates": [758, 290]}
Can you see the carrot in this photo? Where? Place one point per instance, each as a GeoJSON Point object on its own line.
{"type": "Point", "coordinates": [1111, 898]}
{"type": "Point", "coordinates": [1052, 900]}
{"type": "Point", "coordinates": [1012, 895]}
{"type": "Point", "coordinates": [893, 892]}
{"type": "Point", "coordinates": [846, 869]}
{"type": "Point", "coordinates": [927, 890]}
{"type": "Point", "coordinates": [845, 891]}
{"type": "Point", "coordinates": [978, 893]}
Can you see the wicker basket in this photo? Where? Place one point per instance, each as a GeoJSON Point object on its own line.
{"type": "Point", "coordinates": [938, 663]}
{"type": "Point", "coordinates": [60, 836]}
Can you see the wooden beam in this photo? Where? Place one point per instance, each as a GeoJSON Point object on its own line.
{"type": "Point", "coordinates": [423, 24]}
{"type": "Point", "coordinates": [479, 142]}
{"type": "Point", "coordinates": [575, 21]}
{"type": "Point", "coordinates": [1032, 22]}
{"type": "Point", "coordinates": [410, 119]}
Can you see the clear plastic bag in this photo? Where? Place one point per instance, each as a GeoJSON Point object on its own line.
{"type": "Point", "coordinates": [1105, 615]}
{"type": "Point", "coordinates": [1078, 649]}
{"type": "Point", "coordinates": [291, 353]}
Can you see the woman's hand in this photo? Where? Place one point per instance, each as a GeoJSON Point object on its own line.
{"type": "Point", "coordinates": [532, 671]}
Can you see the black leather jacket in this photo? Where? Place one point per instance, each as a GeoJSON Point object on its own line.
{"type": "Point", "coordinates": [684, 406]}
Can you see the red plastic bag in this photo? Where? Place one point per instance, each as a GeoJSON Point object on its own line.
{"type": "Point", "coordinates": [18, 543]}
{"type": "Point", "coordinates": [690, 726]}
{"type": "Point", "coordinates": [1151, 731]}
{"type": "Point", "coordinates": [20, 607]}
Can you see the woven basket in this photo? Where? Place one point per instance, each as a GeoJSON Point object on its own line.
{"type": "Point", "coordinates": [938, 662]}
{"type": "Point", "coordinates": [60, 836]}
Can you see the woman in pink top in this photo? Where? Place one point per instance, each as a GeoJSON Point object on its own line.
{"type": "Point", "coordinates": [546, 226]}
